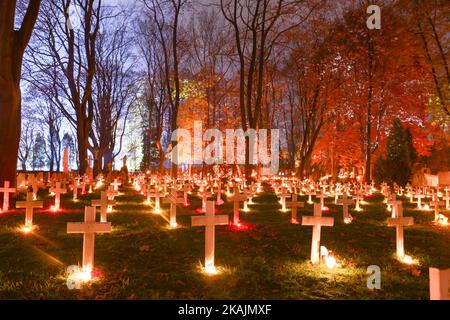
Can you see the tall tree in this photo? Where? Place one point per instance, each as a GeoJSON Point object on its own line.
{"type": "Point", "coordinates": [12, 48]}
{"type": "Point", "coordinates": [64, 53]}
{"type": "Point", "coordinates": [165, 15]}
{"type": "Point", "coordinates": [256, 26]}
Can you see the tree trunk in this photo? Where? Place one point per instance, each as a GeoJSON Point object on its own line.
{"type": "Point", "coordinates": [12, 47]}
{"type": "Point", "coordinates": [82, 152]}
{"type": "Point", "coordinates": [10, 106]}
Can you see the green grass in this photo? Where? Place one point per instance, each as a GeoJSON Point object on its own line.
{"type": "Point", "coordinates": [143, 259]}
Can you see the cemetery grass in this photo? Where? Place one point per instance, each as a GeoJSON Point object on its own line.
{"type": "Point", "coordinates": [268, 259]}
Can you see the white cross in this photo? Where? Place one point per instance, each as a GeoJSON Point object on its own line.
{"type": "Point", "coordinates": [236, 198]}
{"type": "Point", "coordinates": [399, 222]}
{"type": "Point", "coordinates": [219, 200]}
{"type": "Point", "coordinates": [436, 205]}
{"type": "Point", "coordinates": [104, 205]}
{"type": "Point", "coordinates": [294, 204]}
{"type": "Point", "coordinates": [89, 228]}
{"type": "Point", "coordinates": [116, 185]}
{"type": "Point", "coordinates": [447, 200]}
{"type": "Point", "coordinates": [186, 188]}
{"type": "Point", "coordinates": [75, 186]}
{"type": "Point", "coordinates": [419, 197]}
{"type": "Point", "coordinates": [6, 190]}
{"type": "Point", "coordinates": [205, 194]}
{"type": "Point", "coordinates": [359, 197]}
{"type": "Point", "coordinates": [29, 205]}
{"type": "Point", "coordinates": [345, 202]}
{"type": "Point", "coordinates": [317, 221]}
{"type": "Point", "coordinates": [210, 221]}
{"type": "Point", "coordinates": [157, 195]}
{"type": "Point", "coordinates": [322, 197]}
{"type": "Point", "coordinates": [283, 195]}
{"type": "Point", "coordinates": [57, 191]}
{"type": "Point", "coordinates": [173, 200]}
{"type": "Point", "coordinates": [439, 284]}
{"type": "Point", "coordinates": [35, 187]}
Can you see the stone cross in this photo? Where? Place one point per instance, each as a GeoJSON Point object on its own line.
{"type": "Point", "coordinates": [317, 221]}
{"type": "Point", "coordinates": [294, 204]}
{"type": "Point", "coordinates": [345, 202]}
{"type": "Point", "coordinates": [173, 200]}
{"type": "Point", "coordinates": [29, 205]}
{"type": "Point", "coordinates": [89, 228]}
{"type": "Point", "coordinates": [104, 205]}
{"type": "Point", "coordinates": [439, 284]}
{"type": "Point", "coordinates": [399, 222]}
{"type": "Point", "coordinates": [6, 190]}
{"type": "Point", "coordinates": [57, 191]}
{"type": "Point", "coordinates": [210, 221]}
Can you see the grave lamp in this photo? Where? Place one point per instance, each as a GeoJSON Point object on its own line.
{"type": "Point", "coordinates": [407, 260]}
{"type": "Point", "coordinates": [328, 257]}
{"type": "Point", "coordinates": [211, 270]}
{"type": "Point", "coordinates": [442, 220]}
{"type": "Point", "coordinates": [330, 261]}
{"type": "Point", "coordinates": [26, 229]}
